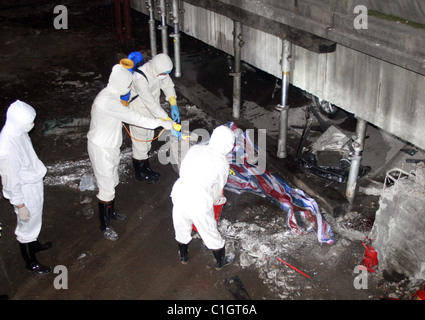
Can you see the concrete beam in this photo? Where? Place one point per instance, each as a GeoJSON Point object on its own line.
{"type": "Point", "coordinates": [296, 36]}
{"type": "Point", "coordinates": [312, 23]}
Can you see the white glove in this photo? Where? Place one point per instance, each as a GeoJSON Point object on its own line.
{"type": "Point", "coordinates": [24, 214]}
{"type": "Point", "coordinates": [167, 124]}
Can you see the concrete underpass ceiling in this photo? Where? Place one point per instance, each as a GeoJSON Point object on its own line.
{"type": "Point", "coordinates": [318, 24]}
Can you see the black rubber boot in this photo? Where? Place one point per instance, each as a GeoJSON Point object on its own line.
{"type": "Point", "coordinates": [221, 258]}
{"type": "Point", "coordinates": [28, 251]}
{"type": "Point", "coordinates": [149, 170]}
{"type": "Point", "coordinates": [144, 172]}
{"type": "Point", "coordinates": [105, 212]}
{"type": "Point", "coordinates": [183, 252]}
{"type": "Point", "coordinates": [42, 246]}
{"type": "Point", "coordinates": [115, 215]}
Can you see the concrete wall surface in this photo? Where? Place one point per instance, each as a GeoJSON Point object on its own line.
{"type": "Point", "coordinates": [382, 93]}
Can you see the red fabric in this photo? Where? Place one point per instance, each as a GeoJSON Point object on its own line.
{"type": "Point", "coordinates": [217, 214]}
{"type": "Point", "coordinates": [370, 258]}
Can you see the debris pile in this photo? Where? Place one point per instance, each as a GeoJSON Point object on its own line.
{"type": "Point", "coordinates": [398, 229]}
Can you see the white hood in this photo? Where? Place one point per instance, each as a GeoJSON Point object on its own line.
{"type": "Point", "coordinates": [19, 118]}
{"type": "Point", "coordinates": [19, 164]}
{"type": "Point", "coordinates": [120, 80]}
{"type": "Point", "coordinates": [161, 63]}
{"type": "Point", "coordinates": [222, 140]}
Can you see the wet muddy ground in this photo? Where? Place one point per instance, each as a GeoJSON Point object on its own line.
{"type": "Point", "coordinates": [59, 72]}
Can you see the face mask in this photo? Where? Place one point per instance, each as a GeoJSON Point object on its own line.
{"type": "Point", "coordinates": [161, 76]}
{"type": "Point", "coordinates": [29, 127]}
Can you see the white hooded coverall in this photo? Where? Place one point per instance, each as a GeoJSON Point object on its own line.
{"type": "Point", "coordinates": [203, 175]}
{"type": "Point", "coordinates": [148, 100]}
{"type": "Point", "coordinates": [105, 133]}
{"type": "Point", "coordinates": [21, 170]}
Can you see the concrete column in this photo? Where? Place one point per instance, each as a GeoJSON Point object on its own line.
{"type": "Point", "coordinates": [163, 26]}
{"type": "Point", "coordinates": [176, 38]}
{"type": "Point", "coordinates": [283, 107]}
{"type": "Point", "coordinates": [358, 147]}
{"type": "Point", "coordinates": [237, 46]}
{"type": "Point", "coordinates": [152, 30]}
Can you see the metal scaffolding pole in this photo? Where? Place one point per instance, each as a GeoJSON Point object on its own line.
{"type": "Point", "coordinates": [163, 26]}
{"type": "Point", "coordinates": [283, 107]}
{"type": "Point", "coordinates": [237, 45]}
{"type": "Point", "coordinates": [176, 38]}
{"type": "Point", "coordinates": [152, 30]}
{"type": "Point", "coordinates": [356, 157]}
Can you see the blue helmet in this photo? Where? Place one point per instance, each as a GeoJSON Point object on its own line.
{"type": "Point", "coordinates": [136, 57]}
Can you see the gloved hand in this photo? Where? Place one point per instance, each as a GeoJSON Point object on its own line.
{"type": "Point", "coordinates": [177, 134]}
{"type": "Point", "coordinates": [24, 214]}
{"type": "Point", "coordinates": [167, 124]}
{"type": "Point", "coordinates": [175, 113]}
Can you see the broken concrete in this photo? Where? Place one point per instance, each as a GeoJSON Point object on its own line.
{"type": "Point", "coordinates": [398, 229]}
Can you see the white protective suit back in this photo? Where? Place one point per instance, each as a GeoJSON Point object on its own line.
{"type": "Point", "coordinates": [206, 166]}
{"type": "Point", "coordinates": [203, 175]}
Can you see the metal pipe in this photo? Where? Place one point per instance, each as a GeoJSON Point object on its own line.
{"type": "Point", "coordinates": [237, 45]}
{"type": "Point", "coordinates": [283, 107]}
{"type": "Point", "coordinates": [176, 38]}
{"type": "Point", "coordinates": [163, 26]}
{"type": "Point", "coordinates": [152, 30]}
{"type": "Point", "coordinates": [356, 157]}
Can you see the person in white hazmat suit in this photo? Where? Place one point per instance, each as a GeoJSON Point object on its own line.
{"type": "Point", "coordinates": [148, 81]}
{"type": "Point", "coordinates": [22, 174]}
{"type": "Point", "coordinates": [105, 140]}
{"type": "Point", "coordinates": [203, 174]}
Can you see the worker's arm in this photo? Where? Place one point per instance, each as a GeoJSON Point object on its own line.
{"type": "Point", "coordinates": [170, 94]}
{"type": "Point", "coordinates": [142, 88]}
{"type": "Point", "coordinates": [125, 114]}
{"type": "Point", "coordinates": [10, 176]}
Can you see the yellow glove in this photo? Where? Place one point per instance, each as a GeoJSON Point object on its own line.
{"type": "Point", "coordinates": [172, 100]}
{"type": "Point", "coordinates": [176, 126]}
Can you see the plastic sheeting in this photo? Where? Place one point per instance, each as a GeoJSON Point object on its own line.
{"type": "Point", "coordinates": [303, 214]}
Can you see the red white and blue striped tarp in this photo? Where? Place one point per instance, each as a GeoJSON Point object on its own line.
{"type": "Point", "coordinates": [303, 214]}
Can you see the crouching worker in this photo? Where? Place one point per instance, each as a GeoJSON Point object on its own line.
{"type": "Point", "coordinates": [105, 140]}
{"type": "Point", "coordinates": [203, 175]}
{"type": "Point", "coordinates": [22, 175]}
